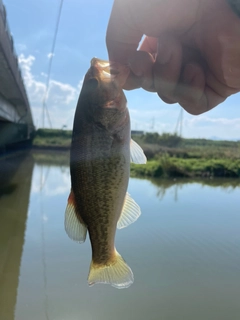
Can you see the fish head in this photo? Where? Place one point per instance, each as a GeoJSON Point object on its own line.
{"type": "Point", "coordinates": [107, 104]}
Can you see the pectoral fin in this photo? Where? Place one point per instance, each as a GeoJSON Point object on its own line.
{"type": "Point", "coordinates": [130, 212]}
{"type": "Point", "coordinates": [136, 153]}
{"type": "Point", "coordinates": [74, 226]}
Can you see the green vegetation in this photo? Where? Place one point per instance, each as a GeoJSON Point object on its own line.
{"type": "Point", "coordinates": [169, 155]}
{"type": "Point", "coordinates": [52, 138]}
{"type": "Point", "coordinates": [170, 167]}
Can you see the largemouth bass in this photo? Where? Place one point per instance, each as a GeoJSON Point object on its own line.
{"type": "Point", "coordinates": [100, 166]}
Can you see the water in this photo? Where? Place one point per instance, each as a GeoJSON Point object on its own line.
{"type": "Point", "coordinates": [184, 250]}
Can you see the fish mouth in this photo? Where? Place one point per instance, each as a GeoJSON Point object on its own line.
{"type": "Point", "coordinates": [108, 70]}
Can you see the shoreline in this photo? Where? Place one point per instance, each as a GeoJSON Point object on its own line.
{"type": "Point", "coordinates": [169, 156]}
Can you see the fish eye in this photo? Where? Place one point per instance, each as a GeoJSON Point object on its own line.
{"type": "Point", "coordinates": [92, 83]}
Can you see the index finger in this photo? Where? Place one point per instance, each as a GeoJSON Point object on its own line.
{"type": "Point", "coordinates": [122, 37]}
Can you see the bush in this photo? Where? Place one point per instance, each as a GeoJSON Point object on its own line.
{"type": "Point", "coordinates": [165, 139]}
{"type": "Point", "coordinates": [175, 167]}
{"type": "Point", "coordinates": [50, 133]}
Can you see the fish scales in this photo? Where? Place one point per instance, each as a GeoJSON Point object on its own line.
{"type": "Point", "coordinates": [101, 170]}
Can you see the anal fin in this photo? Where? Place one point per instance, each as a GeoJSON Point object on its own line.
{"type": "Point", "coordinates": [74, 227]}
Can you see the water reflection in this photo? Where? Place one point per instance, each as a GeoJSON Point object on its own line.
{"type": "Point", "coordinates": [15, 177]}
{"type": "Point", "coordinates": [184, 249]}
{"type": "Point", "coordinates": [175, 185]}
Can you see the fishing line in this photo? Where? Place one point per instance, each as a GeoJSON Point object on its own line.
{"type": "Point", "coordinates": [44, 105]}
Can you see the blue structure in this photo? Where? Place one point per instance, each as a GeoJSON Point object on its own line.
{"type": "Point", "coordinates": [16, 123]}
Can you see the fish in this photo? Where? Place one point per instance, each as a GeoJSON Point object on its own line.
{"type": "Point", "coordinates": [100, 155]}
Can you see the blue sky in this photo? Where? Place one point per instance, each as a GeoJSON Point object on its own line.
{"type": "Point", "coordinates": [81, 36]}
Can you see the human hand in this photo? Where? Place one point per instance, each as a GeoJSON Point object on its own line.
{"type": "Point", "coordinates": [191, 52]}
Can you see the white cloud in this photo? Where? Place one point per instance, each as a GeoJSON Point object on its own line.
{"type": "Point", "coordinates": [45, 218]}
{"type": "Point", "coordinates": [47, 179]}
{"type": "Point", "coordinates": [204, 121]}
{"type": "Point", "coordinates": [62, 92]}
{"type": "Point", "coordinates": [207, 127]}
{"type": "Point", "coordinates": [50, 55]}
{"type": "Point", "coordinates": [61, 98]}
{"type": "Point", "coordinates": [21, 47]}
{"type": "Point", "coordinates": [157, 120]}
{"type": "Point", "coordinates": [35, 89]}
{"type": "Point", "coordinates": [202, 126]}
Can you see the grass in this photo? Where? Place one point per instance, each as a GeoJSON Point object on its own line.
{"type": "Point", "coordinates": [168, 155]}
{"type": "Point", "coordinates": [168, 167]}
{"type": "Point", "coordinates": [52, 138]}
{"type": "Point", "coordinates": [171, 156]}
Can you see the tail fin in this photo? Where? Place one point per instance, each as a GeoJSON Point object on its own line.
{"type": "Point", "coordinates": [118, 274]}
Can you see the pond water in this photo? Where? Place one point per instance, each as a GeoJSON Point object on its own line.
{"type": "Point", "coordinates": [184, 250]}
